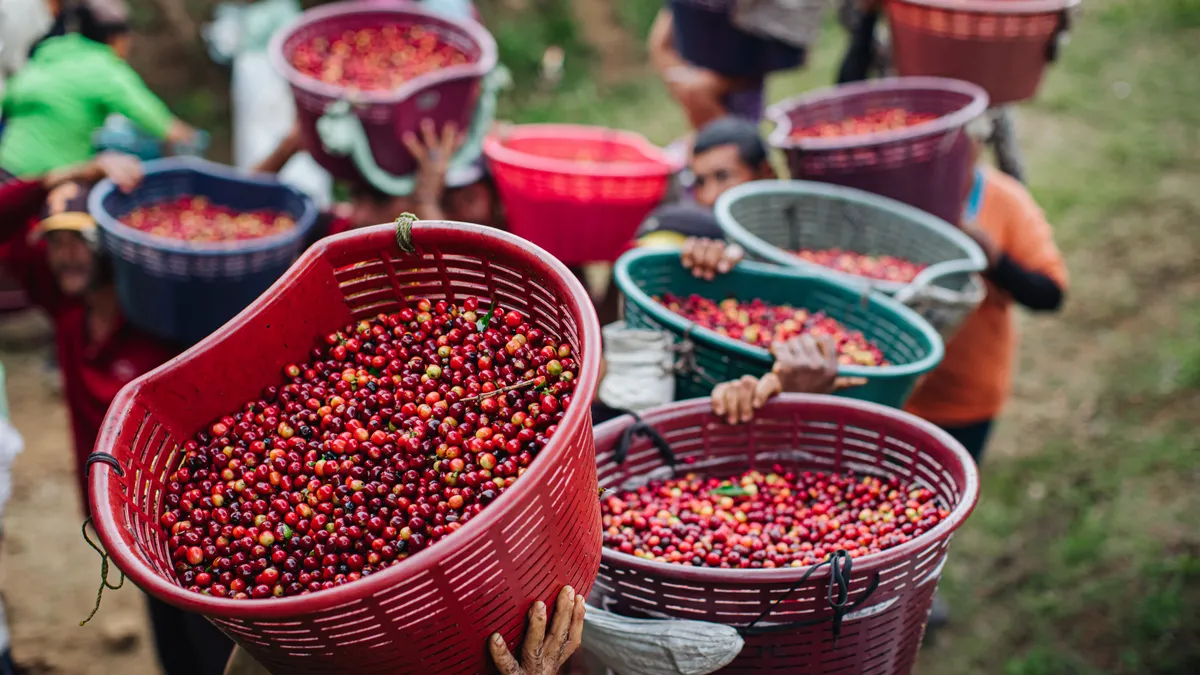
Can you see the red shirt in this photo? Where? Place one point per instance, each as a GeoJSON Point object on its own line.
{"type": "Point", "coordinates": [92, 373]}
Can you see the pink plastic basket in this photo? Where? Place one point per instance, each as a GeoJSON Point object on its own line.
{"type": "Point", "coordinates": [579, 192]}
{"type": "Point", "coordinates": [1000, 45]}
{"type": "Point", "coordinates": [924, 165]}
{"type": "Point", "coordinates": [889, 593]}
{"type": "Point", "coordinates": [432, 613]}
{"type": "Point", "coordinates": [446, 95]}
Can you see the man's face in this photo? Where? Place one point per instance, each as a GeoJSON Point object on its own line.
{"type": "Point", "coordinates": [367, 210]}
{"type": "Point", "coordinates": [716, 170]}
{"type": "Point", "coordinates": [71, 261]}
{"type": "Point", "coordinates": [470, 204]}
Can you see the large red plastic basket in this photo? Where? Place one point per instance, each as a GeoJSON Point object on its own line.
{"type": "Point", "coordinates": [880, 636]}
{"type": "Point", "coordinates": [432, 613]}
{"type": "Point", "coordinates": [445, 95]}
{"type": "Point", "coordinates": [1000, 45]}
{"type": "Point", "coordinates": [924, 165]}
{"type": "Point", "coordinates": [579, 192]}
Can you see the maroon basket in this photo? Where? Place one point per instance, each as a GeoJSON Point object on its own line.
{"type": "Point", "coordinates": [879, 636]}
{"type": "Point", "coordinates": [445, 95]}
{"type": "Point", "coordinates": [431, 613]}
{"type": "Point", "coordinates": [1001, 45]}
{"type": "Point", "coordinates": [924, 165]}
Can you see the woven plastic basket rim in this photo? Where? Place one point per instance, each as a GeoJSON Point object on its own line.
{"type": "Point", "coordinates": [424, 233]}
{"type": "Point", "coordinates": [488, 56]}
{"type": "Point", "coordinates": [117, 229]}
{"type": "Point", "coordinates": [657, 163]}
{"type": "Point", "coordinates": [608, 433]}
{"type": "Point", "coordinates": [997, 6]}
{"type": "Point", "coordinates": [768, 251]}
{"type": "Point", "coordinates": [711, 338]}
{"type": "Point", "coordinates": [778, 113]}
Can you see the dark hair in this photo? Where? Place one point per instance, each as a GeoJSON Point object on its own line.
{"type": "Point", "coordinates": [77, 17]}
{"type": "Point", "coordinates": [733, 131]}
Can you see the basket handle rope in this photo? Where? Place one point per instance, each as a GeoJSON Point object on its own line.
{"type": "Point", "coordinates": [840, 565]}
{"type": "Point", "coordinates": [1062, 35]}
{"type": "Point", "coordinates": [641, 429]}
{"type": "Point", "coordinates": [404, 226]}
{"type": "Point", "coordinates": [341, 133]}
{"type": "Point", "coordinates": [98, 457]}
{"type": "Point", "coordinates": [104, 582]}
{"type": "Point", "coordinates": [930, 275]}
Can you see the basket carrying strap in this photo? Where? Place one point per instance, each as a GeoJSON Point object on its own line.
{"type": "Point", "coordinates": [1062, 35]}
{"type": "Point", "coordinates": [342, 133]}
{"type": "Point", "coordinates": [641, 429]}
{"type": "Point", "coordinates": [840, 564]}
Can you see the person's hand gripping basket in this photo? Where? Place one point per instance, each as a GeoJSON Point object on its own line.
{"type": "Point", "coordinates": [429, 613]}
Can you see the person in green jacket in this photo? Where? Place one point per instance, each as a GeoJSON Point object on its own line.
{"type": "Point", "coordinates": [70, 86]}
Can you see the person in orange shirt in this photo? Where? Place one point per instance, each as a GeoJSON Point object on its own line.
{"type": "Point", "coordinates": [966, 392]}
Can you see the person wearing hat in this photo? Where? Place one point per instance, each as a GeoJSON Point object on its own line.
{"type": "Point", "coordinates": [75, 78]}
{"type": "Point", "coordinates": [58, 260]}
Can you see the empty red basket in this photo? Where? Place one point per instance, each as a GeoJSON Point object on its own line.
{"type": "Point", "coordinates": [579, 192]}
{"type": "Point", "coordinates": [1000, 45]}
{"type": "Point", "coordinates": [924, 165]}
{"type": "Point", "coordinates": [432, 613]}
{"type": "Point", "coordinates": [445, 95]}
{"type": "Point", "coordinates": [893, 590]}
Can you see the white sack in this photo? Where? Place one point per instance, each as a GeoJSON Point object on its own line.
{"type": "Point", "coordinates": [640, 368]}
{"type": "Point", "coordinates": [659, 646]}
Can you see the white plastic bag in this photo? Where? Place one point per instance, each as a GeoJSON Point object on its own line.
{"type": "Point", "coordinates": [22, 22]}
{"type": "Point", "coordinates": [659, 646]}
{"type": "Point", "coordinates": [640, 368]}
{"type": "Point", "coordinates": [263, 109]}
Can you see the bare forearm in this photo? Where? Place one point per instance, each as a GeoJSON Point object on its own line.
{"type": "Point", "coordinates": [660, 44]}
{"type": "Point", "coordinates": [428, 210]}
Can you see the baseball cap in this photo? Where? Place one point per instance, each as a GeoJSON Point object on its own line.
{"type": "Point", "coordinates": [66, 209]}
{"type": "Point", "coordinates": [686, 218]}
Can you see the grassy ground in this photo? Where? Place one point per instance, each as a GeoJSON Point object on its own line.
{"type": "Point", "coordinates": [1083, 556]}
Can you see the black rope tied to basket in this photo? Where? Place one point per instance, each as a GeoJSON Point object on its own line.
{"type": "Point", "coordinates": [641, 429]}
{"type": "Point", "coordinates": [104, 582]}
{"type": "Point", "coordinates": [404, 225]}
{"type": "Point", "coordinates": [98, 457]}
{"type": "Point", "coordinates": [840, 565]}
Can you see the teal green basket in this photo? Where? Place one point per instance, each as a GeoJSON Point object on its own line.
{"type": "Point", "coordinates": [908, 342]}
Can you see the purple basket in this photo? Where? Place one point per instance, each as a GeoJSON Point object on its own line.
{"type": "Point", "coordinates": [705, 36]}
{"type": "Point", "coordinates": [924, 165]}
{"type": "Point", "coordinates": [445, 95]}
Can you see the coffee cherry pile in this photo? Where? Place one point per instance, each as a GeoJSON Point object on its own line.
{"type": "Point", "coordinates": [756, 520]}
{"type": "Point", "coordinates": [882, 267]}
{"type": "Point", "coordinates": [378, 58]}
{"type": "Point", "coordinates": [761, 323]}
{"type": "Point", "coordinates": [885, 120]}
{"type": "Point", "coordinates": [197, 219]}
{"type": "Point", "coordinates": [396, 433]}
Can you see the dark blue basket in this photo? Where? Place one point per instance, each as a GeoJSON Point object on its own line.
{"type": "Point", "coordinates": [705, 36]}
{"type": "Point", "coordinates": [183, 291]}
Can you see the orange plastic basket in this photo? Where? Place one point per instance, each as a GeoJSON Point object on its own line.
{"type": "Point", "coordinates": [432, 613]}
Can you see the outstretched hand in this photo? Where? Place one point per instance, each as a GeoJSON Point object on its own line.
{"type": "Point", "coordinates": [432, 151]}
{"type": "Point", "coordinates": [544, 652]}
